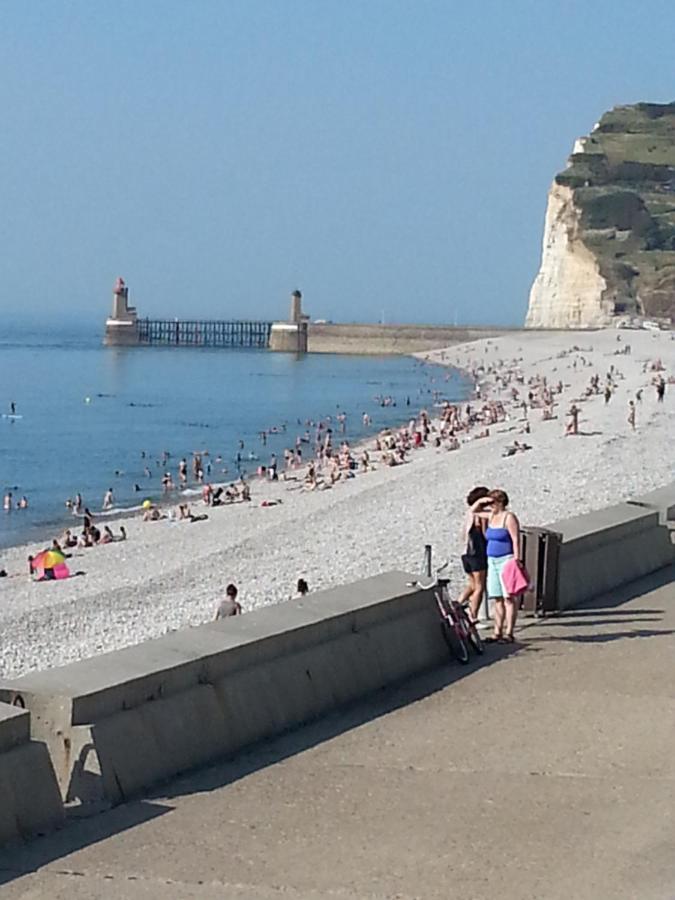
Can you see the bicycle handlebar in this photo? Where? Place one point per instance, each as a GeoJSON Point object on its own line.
{"type": "Point", "coordinates": [433, 583]}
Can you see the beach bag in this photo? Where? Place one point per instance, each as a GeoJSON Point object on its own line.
{"type": "Point", "coordinates": [515, 578]}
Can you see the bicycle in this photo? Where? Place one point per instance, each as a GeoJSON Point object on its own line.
{"type": "Point", "coordinates": [459, 631]}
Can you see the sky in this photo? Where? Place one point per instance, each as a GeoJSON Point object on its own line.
{"type": "Point", "coordinates": [389, 159]}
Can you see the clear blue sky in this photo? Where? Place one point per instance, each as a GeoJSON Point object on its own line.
{"type": "Point", "coordinates": [385, 157]}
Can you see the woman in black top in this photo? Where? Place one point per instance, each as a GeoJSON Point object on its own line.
{"type": "Point", "coordinates": [474, 558]}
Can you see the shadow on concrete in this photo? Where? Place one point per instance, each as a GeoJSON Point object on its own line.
{"type": "Point", "coordinates": [595, 621]}
{"type": "Point", "coordinates": [17, 860]}
{"type": "Point", "coordinates": [22, 859]}
{"type": "Point", "coordinates": [604, 611]}
{"type": "Point", "coordinates": [605, 638]}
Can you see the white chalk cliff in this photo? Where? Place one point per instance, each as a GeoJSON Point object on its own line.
{"type": "Point", "coordinates": [609, 235]}
{"type": "Point", "coordinates": [567, 292]}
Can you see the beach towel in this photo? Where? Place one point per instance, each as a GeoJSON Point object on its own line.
{"type": "Point", "coordinates": [515, 578]}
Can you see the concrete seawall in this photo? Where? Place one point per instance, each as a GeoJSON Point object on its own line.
{"type": "Point", "coordinates": [30, 801]}
{"type": "Point", "coordinates": [120, 722]}
{"type": "Point", "coordinates": [108, 728]}
{"type": "Point", "coordinates": [361, 338]}
{"type": "Point", "coordinates": [610, 547]}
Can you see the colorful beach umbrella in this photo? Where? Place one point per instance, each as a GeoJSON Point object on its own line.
{"type": "Point", "coordinates": [48, 559]}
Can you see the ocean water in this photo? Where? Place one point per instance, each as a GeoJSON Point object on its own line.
{"type": "Point", "coordinates": [87, 412]}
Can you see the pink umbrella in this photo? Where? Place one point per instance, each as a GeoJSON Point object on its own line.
{"type": "Point", "coordinates": [61, 571]}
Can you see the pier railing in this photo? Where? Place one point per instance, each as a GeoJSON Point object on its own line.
{"type": "Point", "coordinates": [252, 334]}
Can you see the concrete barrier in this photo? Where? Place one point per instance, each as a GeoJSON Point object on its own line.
{"type": "Point", "coordinates": [662, 500]}
{"type": "Point", "coordinates": [30, 801]}
{"type": "Point", "coordinates": [118, 723]}
{"type": "Point", "coordinates": [611, 547]}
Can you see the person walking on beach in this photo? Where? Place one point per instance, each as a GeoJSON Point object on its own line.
{"type": "Point", "coordinates": [608, 393]}
{"type": "Point", "coordinates": [108, 499]}
{"type": "Point", "coordinates": [660, 388]}
{"type": "Point", "coordinates": [573, 423]}
{"type": "Point", "coordinates": [503, 543]}
{"type": "Point", "coordinates": [631, 414]}
{"type": "Point", "coordinates": [230, 606]}
{"type": "Point", "coordinates": [474, 558]}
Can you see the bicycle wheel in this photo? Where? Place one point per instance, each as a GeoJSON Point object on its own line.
{"type": "Point", "coordinates": [470, 631]}
{"type": "Point", "coordinates": [455, 641]}
{"type": "Point", "coordinates": [475, 639]}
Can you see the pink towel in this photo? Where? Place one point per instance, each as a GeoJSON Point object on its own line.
{"type": "Point", "coordinates": [515, 578]}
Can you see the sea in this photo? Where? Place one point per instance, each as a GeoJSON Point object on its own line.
{"type": "Point", "coordinates": [88, 417]}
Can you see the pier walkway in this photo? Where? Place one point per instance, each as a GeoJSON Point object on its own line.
{"type": "Point", "coordinates": [545, 772]}
{"type": "Point", "coordinates": [205, 333]}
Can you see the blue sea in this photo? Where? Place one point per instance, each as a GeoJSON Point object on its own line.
{"type": "Point", "coordinates": [86, 412]}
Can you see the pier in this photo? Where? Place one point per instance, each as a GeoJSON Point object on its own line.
{"type": "Point", "coordinates": [124, 328]}
{"type": "Point", "coordinates": [199, 333]}
{"type": "Point", "coordinates": [296, 334]}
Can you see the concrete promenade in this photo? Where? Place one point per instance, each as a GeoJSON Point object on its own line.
{"type": "Point", "coordinates": [547, 771]}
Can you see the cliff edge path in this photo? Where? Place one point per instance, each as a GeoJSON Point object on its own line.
{"type": "Point", "coordinates": [547, 771]}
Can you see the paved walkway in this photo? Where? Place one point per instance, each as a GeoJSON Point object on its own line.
{"type": "Point", "coordinates": [548, 772]}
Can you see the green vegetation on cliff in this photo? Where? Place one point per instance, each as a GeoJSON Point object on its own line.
{"type": "Point", "coordinates": [624, 187]}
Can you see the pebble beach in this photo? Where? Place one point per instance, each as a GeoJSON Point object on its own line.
{"type": "Point", "coordinates": [171, 575]}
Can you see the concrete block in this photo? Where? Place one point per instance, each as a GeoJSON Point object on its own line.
{"type": "Point", "coordinates": [662, 499]}
{"type": "Point", "coordinates": [608, 548]}
{"type": "Point", "coordinates": [30, 801]}
{"type": "Point", "coordinates": [14, 726]}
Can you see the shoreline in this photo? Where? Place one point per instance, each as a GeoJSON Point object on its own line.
{"type": "Point", "coordinates": [168, 575]}
{"type": "Point", "coordinates": [191, 493]}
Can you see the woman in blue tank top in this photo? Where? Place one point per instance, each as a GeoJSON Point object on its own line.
{"type": "Point", "coordinates": [503, 544]}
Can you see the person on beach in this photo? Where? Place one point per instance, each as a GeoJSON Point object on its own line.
{"type": "Point", "coordinates": [230, 606]}
{"type": "Point", "coordinates": [660, 389]}
{"type": "Point", "coordinates": [301, 589]}
{"type": "Point", "coordinates": [503, 544]}
{"type": "Point", "coordinates": [474, 558]}
{"type": "Point", "coordinates": [631, 414]}
{"type": "Point", "coordinates": [67, 539]}
{"type": "Point", "coordinates": [573, 423]}
{"type": "Point", "coordinates": [108, 499]}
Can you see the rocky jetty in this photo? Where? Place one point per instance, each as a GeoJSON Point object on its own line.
{"type": "Point", "coordinates": [609, 236]}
